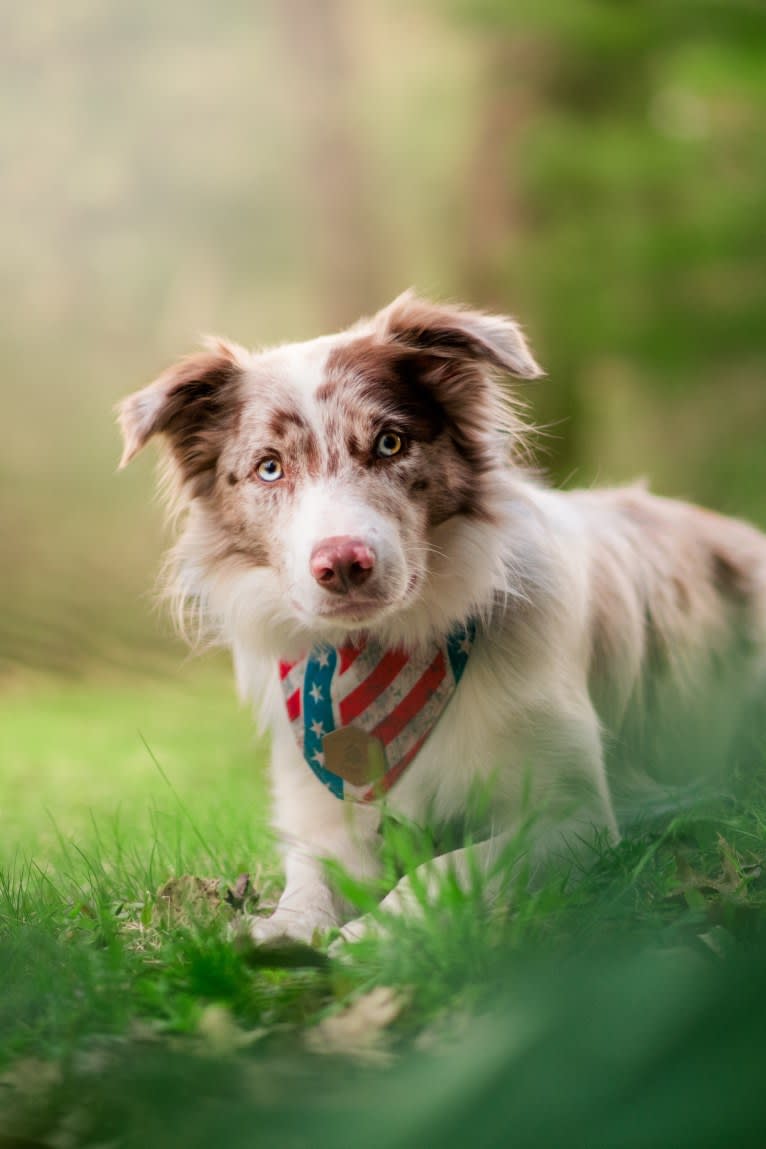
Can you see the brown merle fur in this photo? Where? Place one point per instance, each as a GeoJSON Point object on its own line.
{"type": "Point", "coordinates": [374, 385]}
{"type": "Point", "coordinates": [426, 371]}
{"type": "Point", "coordinates": [604, 617]}
{"type": "Point", "coordinates": [195, 405]}
{"type": "Point", "coordinates": [419, 372]}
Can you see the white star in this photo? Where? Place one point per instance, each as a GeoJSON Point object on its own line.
{"type": "Point", "coordinates": [317, 728]}
{"type": "Point", "coordinates": [465, 646]}
{"type": "Point", "coordinates": [323, 659]}
{"type": "Point", "coordinates": [316, 693]}
{"type": "Point", "coordinates": [318, 757]}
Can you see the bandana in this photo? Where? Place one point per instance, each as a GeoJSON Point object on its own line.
{"type": "Point", "coordinates": [360, 714]}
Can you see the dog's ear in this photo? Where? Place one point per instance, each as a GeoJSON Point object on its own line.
{"type": "Point", "coordinates": [451, 331]}
{"type": "Point", "coordinates": [191, 404]}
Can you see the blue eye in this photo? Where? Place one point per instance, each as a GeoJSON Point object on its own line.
{"type": "Point", "coordinates": [388, 444]}
{"type": "Point", "coordinates": [269, 469]}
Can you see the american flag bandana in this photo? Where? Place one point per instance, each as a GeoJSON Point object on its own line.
{"type": "Point", "coordinates": [385, 702]}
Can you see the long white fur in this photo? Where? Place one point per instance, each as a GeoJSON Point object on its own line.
{"type": "Point", "coordinates": [538, 571]}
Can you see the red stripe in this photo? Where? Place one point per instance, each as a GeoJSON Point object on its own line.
{"type": "Point", "coordinates": [374, 684]}
{"type": "Point", "coordinates": [386, 782]}
{"type": "Point", "coordinates": [412, 703]}
{"type": "Point", "coordinates": [294, 705]}
{"type": "Point", "coordinates": [348, 656]}
{"type": "Point", "coordinates": [285, 668]}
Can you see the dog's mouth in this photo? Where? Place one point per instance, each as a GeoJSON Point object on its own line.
{"type": "Point", "coordinates": [351, 610]}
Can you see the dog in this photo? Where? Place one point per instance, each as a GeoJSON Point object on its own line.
{"type": "Point", "coordinates": [415, 613]}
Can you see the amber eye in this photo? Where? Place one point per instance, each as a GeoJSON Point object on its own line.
{"type": "Point", "coordinates": [269, 469]}
{"type": "Point", "coordinates": [387, 444]}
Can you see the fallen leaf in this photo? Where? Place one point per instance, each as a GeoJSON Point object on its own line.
{"type": "Point", "coordinates": [27, 1089]}
{"type": "Point", "coordinates": [731, 882]}
{"type": "Point", "coordinates": [185, 897]}
{"type": "Point", "coordinates": [237, 894]}
{"type": "Point", "coordinates": [180, 891]}
{"type": "Point", "coordinates": [220, 1033]}
{"type": "Point", "coordinates": [359, 1030]}
{"type": "Point", "coordinates": [31, 1077]}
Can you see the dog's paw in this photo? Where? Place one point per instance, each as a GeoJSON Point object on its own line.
{"type": "Point", "coordinates": [359, 928]}
{"type": "Point", "coordinates": [289, 927]}
{"type": "Point", "coordinates": [353, 931]}
{"type": "Point", "coordinates": [399, 902]}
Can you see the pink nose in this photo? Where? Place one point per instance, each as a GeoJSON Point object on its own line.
{"type": "Point", "coordinates": [341, 563]}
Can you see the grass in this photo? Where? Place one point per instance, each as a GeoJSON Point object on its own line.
{"type": "Point", "coordinates": [589, 1014]}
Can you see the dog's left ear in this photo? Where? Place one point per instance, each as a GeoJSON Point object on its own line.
{"type": "Point", "coordinates": [451, 331]}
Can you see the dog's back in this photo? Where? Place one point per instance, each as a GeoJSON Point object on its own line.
{"type": "Point", "coordinates": [678, 624]}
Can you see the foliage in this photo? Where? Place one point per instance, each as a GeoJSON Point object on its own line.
{"type": "Point", "coordinates": [596, 168]}
{"type": "Point", "coordinates": [591, 1011]}
{"type": "Point", "coordinates": [636, 167]}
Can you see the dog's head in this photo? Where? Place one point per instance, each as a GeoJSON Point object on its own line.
{"type": "Point", "coordinates": [329, 482]}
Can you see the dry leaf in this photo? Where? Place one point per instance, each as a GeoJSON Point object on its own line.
{"type": "Point", "coordinates": [220, 1033]}
{"type": "Point", "coordinates": [26, 1090]}
{"type": "Point", "coordinates": [732, 880]}
{"type": "Point", "coordinates": [360, 1029]}
{"type": "Point", "coordinates": [31, 1077]}
{"type": "Point", "coordinates": [179, 892]}
{"type": "Point", "coordinates": [237, 895]}
{"type": "Point", "coordinates": [185, 898]}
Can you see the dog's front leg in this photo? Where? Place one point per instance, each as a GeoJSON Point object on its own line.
{"type": "Point", "coordinates": [573, 812]}
{"type": "Point", "coordinates": [314, 826]}
{"type": "Point", "coordinates": [409, 896]}
{"type": "Point", "coordinates": [483, 866]}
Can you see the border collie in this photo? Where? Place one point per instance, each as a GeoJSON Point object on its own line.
{"type": "Point", "coordinates": [414, 613]}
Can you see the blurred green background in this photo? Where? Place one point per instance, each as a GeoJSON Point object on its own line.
{"type": "Point", "coordinates": [270, 170]}
{"type": "Point", "coordinates": [273, 169]}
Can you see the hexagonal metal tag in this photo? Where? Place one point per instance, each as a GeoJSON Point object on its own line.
{"type": "Point", "coordinates": [354, 755]}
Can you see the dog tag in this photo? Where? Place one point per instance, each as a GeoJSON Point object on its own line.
{"type": "Point", "coordinates": [354, 756]}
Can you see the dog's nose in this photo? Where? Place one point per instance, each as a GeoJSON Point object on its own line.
{"type": "Point", "coordinates": [341, 563]}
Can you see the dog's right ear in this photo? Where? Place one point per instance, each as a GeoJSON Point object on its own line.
{"type": "Point", "coordinates": [192, 404]}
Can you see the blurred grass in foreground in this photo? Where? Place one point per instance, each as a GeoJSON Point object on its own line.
{"type": "Point", "coordinates": [628, 1009]}
{"type": "Point", "coordinates": [644, 1050]}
